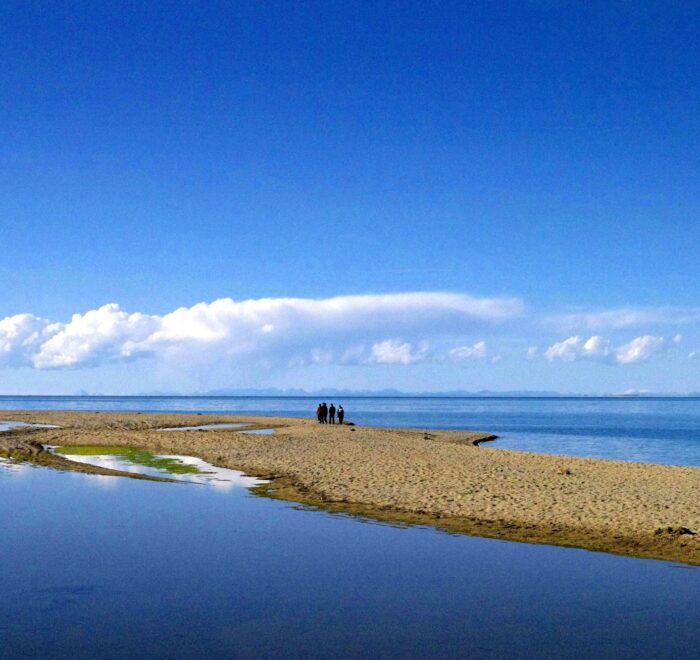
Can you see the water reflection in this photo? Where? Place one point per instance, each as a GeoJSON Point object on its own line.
{"type": "Point", "coordinates": [152, 569]}
{"type": "Point", "coordinates": [6, 425]}
{"type": "Point", "coordinates": [201, 472]}
{"type": "Point", "coordinates": [8, 465]}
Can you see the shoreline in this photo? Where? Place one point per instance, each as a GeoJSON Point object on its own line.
{"type": "Point", "coordinates": [410, 476]}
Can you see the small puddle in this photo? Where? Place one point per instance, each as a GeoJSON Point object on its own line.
{"type": "Point", "coordinates": [189, 469]}
{"type": "Point", "coordinates": [204, 427]}
{"type": "Point", "coordinates": [259, 432]}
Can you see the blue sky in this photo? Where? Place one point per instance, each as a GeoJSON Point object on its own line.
{"type": "Point", "coordinates": [538, 160]}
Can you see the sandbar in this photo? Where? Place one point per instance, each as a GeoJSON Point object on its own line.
{"type": "Point", "coordinates": [415, 476]}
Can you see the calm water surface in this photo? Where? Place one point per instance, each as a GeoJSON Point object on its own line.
{"type": "Point", "coordinates": [651, 430]}
{"type": "Point", "coordinates": [110, 567]}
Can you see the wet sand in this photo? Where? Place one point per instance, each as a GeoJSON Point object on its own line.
{"type": "Point", "coordinates": [439, 478]}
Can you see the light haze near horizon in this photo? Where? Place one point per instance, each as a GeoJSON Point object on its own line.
{"type": "Point", "coordinates": [424, 196]}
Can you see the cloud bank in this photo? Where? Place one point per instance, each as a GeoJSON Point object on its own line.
{"type": "Point", "coordinates": [268, 327]}
{"type": "Point", "coordinates": [623, 317]}
{"type": "Point", "coordinates": [596, 348]}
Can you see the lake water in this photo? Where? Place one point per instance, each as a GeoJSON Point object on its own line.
{"type": "Point", "coordinates": [652, 430]}
{"type": "Point", "coordinates": [109, 567]}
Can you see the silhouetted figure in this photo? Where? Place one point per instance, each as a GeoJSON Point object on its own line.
{"type": "Point", "coordinates": [324, 413]}
{"type": "Point", "coordinates": [331, 413]}
{"type": "Point", "coordinates": [341, 414]}
{"type": "Point", "coordinates": [318, 413]}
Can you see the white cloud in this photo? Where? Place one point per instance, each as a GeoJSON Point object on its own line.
{"type": "Point", "coordinates": [267, 327]}
{"type": "Point", "coordinates": [101, 334]}
{"type": "Point", "coordinates": [623, 317]}
{"type": "Point", "coordinates": [532, 352]}
{"type": "Point", "coordinates": [478, 351]}
{"type": "Point", "coordinates": [567, 350]}
{"type": "Point", "coordinates": [596, 348]}
{"type": "Point", "coordinates": [640, 349]}
{"type": "Point", "coordinates": [21, 336]}
{"type": "Point", "coordinates": [394, 351]}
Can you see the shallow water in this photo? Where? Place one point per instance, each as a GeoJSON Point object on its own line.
{"type": "Point", "coordinates": [651, 430]}
{"type": "Point", "coordinates": [188, 469]}
{"type": "Point", "coordinates": [6, 425]}
{"type": "Point", "coordinates": [119, 568]}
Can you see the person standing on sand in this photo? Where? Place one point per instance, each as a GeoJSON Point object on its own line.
{"type": "Point", "coordinates": [331, 414]}
{"type": "Point", "coordinates": [318, 413]}
{"type": "Point", "coordinates": [341, 414]}
{"type": "Point", "coordinates": [324, 413]}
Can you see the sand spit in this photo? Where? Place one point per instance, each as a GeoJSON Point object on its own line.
{"type": "Point", "coordinates": [436, 478]}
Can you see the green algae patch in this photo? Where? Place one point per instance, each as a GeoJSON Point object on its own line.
{"type": "Point", "coordinates": [132, 455]}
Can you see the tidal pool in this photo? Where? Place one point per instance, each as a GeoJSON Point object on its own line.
{"type": "Point", "coordinates": [127, 458]}
{"type": "Point", "coordinates": [140, 461]}
{"type": "Point", "coordinates": [6, 425]}
{"type": "Point", "coordinates": [259, 432]}
{"type": "Point", "coordinates": [119, 568]}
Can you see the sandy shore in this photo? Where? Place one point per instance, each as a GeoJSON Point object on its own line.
{"type": "Point", "coordinates": [425, 477]}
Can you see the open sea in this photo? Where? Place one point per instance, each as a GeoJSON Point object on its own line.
{"type": "Point", "coordinates": [109, 567]}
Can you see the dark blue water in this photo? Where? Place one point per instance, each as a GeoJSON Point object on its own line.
{"type": "Point", "coordinates": [115, 568]}
{"type": "Point", "coordinates": [651, 430]}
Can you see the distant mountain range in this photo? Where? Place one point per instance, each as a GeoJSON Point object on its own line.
{"type": "Point", "coordinates": [389, 392]}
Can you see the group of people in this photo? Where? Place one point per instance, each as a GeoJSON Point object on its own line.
{"type": "Point", "coordinates": [326, 414]}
